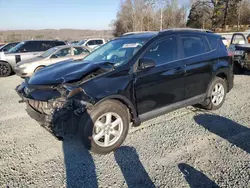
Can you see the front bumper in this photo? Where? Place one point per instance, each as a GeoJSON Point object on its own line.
{"type": "Point", "coordinates": [22, 72]}
{"type": "Point", "coordinates": [57, 116]}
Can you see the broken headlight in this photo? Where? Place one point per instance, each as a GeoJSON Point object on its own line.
{"type": "Point", "coordinates": [239, 52]}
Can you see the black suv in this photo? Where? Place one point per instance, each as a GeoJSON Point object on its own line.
{"type": "Point", "coordinates": [129, 80]}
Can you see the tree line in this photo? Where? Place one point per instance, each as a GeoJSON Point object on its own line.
{"type": "Point", "coordinates": [155, 15]}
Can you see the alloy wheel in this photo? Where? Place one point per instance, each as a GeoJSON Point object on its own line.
{"type": "Point", "coordinates": [3, 69]}
{"type": "Point", "coordinates": [107, 129]}
{"type": "Point", "coordinates": [218, 94]}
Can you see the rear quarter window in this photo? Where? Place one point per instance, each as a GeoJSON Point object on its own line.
{"type": "Point", "coordinates": [193, 45]}
{"type": "Point", "coordinates": [213, 41]}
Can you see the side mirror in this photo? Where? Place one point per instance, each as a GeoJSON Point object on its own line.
{"type": "Point", "coordinates": [53, 56]}
{"type": "Point", "coordinates": [5, 50]}
{"type": "Point", "coordinates": [23, 50]}
{"type": "Point", "coordinates": [146, 63]}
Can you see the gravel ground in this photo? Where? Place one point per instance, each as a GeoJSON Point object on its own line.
{"type": "Point", "coordinates": [185, 148]}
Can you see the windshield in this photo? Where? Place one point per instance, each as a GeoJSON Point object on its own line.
{"type": "Point", "coordinates": [81, 42]}
{"type": "Point", "coordinates": [49, 52]}
{"type": "Point", "coordinates": [16, 48]}
{"type": "Point", "coordinates": [118, 51]}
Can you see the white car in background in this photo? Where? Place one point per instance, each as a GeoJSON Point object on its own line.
{"type": "Point", "coordinates": [92, 43]}
{"type": "Point", "coordinates": [54, 55]}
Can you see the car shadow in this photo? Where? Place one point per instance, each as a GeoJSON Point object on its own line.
{"type": "Point", "coordinates": [196, 178]}
{"type": "Point", "coordinates": [233, 132]}
{"type": "Point", "coordinates": [132, 169]}
{"type": "Point", "coordinates": [79, 165]}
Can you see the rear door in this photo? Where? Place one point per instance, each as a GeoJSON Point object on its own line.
{"type": "Point", "coordinates": [198, 59]}
{"type": "Point", "coordinates": [161, 85]}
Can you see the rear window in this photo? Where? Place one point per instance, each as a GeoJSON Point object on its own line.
{"type": "Point", "coordinates": [192, 45]}
{"type": "Point", "coordinates": [59, 43]}
{"type": "Point", "coordinates": [213, 41]}
{"type": "Point", "coordinates": [99, 42]}
{"type": "Point", "coordinates": [45, 45]}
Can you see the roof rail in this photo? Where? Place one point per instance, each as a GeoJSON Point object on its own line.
{"type": "Point", "coordinates": [187, 29]}
{"type": "Point", "coordinates": [137, 32]}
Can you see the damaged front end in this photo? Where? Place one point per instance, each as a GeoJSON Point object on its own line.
{"type": "Point", "coordinates": [57, 108]}
{"type": "Point", "coordinates": [242, 56]}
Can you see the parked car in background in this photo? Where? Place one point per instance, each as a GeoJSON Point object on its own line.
{"type": "Point", "coordinates": [159, 72]}
{"type": "Point", "coordinates": [23, 51]}
{"type": "Point", "coordinates": [240, 47]}
{"type": "Point", "coordinates": [8, 46]}
{"type": "Point", "coordinates": [92, 43]}
{"type": "Point", "coordinates": [54, 55]}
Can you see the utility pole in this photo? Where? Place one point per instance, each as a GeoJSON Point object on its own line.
{"type": "Point", "coordinates": [239, 15]}
{"type": "Point", "coordinates": [161, 20]}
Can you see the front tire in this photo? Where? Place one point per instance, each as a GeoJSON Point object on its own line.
{"type": "Point", "coordinates": [105, 127]}
{"type": "Point", "coordinates": [216, 94]}
{"type": "Point", "coordinates": [5, 69]}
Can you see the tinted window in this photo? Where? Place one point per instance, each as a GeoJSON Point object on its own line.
{"type": "Point", "coordinates": [45, 45]}
{"type": "Point", "coordinates": [8, 47]}
{"type": "Point", "coordinates": [164, 51]}
{"type": "Point", "coordinates": [30, 46]}
{"type": "Point", "coordinates": [192, 45]}
{"type": "Point", "coordinates": [79, 50]}
{"type": "Point", "coordinates": [91, 42]}
{"type": "Point", "coordinates": [59, 43]}
{"type": "Point", "coordinates": [37, 46]}
{"type": "Point", "coordinates": [63, 52]}
{"type": "Point", "coordinates": [99, 42]}
{"type": "Point", "coordinates": [213, 41]}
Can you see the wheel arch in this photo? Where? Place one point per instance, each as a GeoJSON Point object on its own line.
{"type": "Point", "coordinates": [125, 101]}
{"type": "Point", "coordinates": [38, 67]}
{"type": "Point", "coordinates": [222, 74]}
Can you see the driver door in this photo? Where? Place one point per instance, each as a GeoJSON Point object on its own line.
{"type": "Point", "coordinates": [161, 85]}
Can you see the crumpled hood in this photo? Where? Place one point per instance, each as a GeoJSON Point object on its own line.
{"type": "Point", "coordinates": [64, 72]}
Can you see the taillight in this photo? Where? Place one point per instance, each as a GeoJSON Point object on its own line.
{"type": "Point", "coordinates": [230, 53]}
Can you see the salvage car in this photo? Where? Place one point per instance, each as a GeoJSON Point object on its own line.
{"type": "Point", "coordinates": [100, 97]}
{"type": "Point", "coordinates": [54, 55]}
{"type": "Point", "coordinates": [8, 46]}
{"type": "Point", "coordinates": [92, 43]}
{"type": "Point", "coordinates": [240, 46]}
{"type": "Point", "coordinates": [22, 51]}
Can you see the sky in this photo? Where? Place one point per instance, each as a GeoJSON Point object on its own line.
{"type": "Point", "coordinates": [57, 14]}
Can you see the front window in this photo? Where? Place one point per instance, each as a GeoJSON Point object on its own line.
{"type": "Point", "coordinates": [63, 52]}
{"type": "Point", "coordinates": [118, 51]}
{"type": "Point", "coordinates": [17, 48]}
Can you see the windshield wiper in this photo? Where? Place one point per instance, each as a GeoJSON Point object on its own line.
{"type": "Point", "coordinates": [111, 64]}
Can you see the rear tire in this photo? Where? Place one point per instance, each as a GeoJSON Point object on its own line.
{"type": "Point", "coordinates": [216, 94]}
{"type": "Point", "coordinates": [105, 127]}
{"type": "Point", "coordinates": [5, 69]}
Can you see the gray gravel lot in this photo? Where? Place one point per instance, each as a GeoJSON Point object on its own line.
{"type": "Point", "coordinates": [185, 148]}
